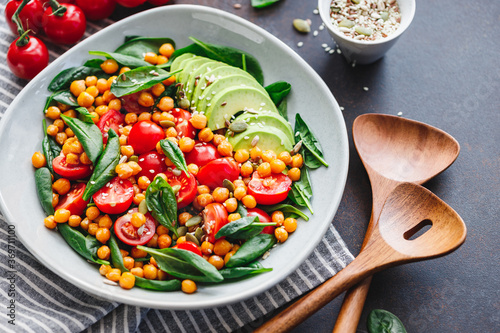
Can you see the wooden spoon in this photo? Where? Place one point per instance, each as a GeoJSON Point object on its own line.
{"type": "Point", "coordinates": [408, 209]}
{"type": "Point", "coordinates": [393, 150]}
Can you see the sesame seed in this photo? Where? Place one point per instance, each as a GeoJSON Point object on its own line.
{"type": "Point", "coordinates": [316, 11]}
{"type": "Point", "coordinates": [315, 33]}
{"type": "Point", "coordinates": [300, 44]}
{"type": "Point", "coordinates": [365, 88]}
{"type": "Point", "coordinates": [324, 45]}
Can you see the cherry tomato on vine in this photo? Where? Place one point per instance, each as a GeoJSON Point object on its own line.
{"type": "Point", "coordinates": [70, 171]}
{"type": "Point", "coordinates": [73, 200]}
{"type": "Point", "coordinates": [215, 217]}
{"type": "Point", "coordinates": [270, 190]}
{"type": "Point", "coordinates": [128, 234]}
{"type": "Point", "coordinates": [263, 217]}
{"type": "Point", "coordinates": [28, 60]}
{"type": "Point", "coordinates": [144, 135]}
{"type": "Point", "coordinates": [115, 197]}
{"type": "Point", "coordinates": [67, 28]}
{"type": "Point", "coordinates": [130, 3]}
{"type": "Point", "coordinates": [158, 2]}
{"type": "Point", "coordinates": [96, 9]}
{"type": "Point", "coordinates": [31, 14]}
{"type": "Point", "coordinates": [189, 246]}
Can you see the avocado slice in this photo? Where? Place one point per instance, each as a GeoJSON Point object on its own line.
{"type": "Point", "coordinates": [190, 66]}
{"type": "Point", "coordinates": [268, 119]}
{"type": "Point", "coordinates": [270, 138]}
{"type": "Point", "coordinates": [234, 80]}
{"type": "Point", "coordinates": [198, 74]}
{"type": "Point", "coordinates": [176, 64]}
{"type": "Point", "coordinates": [234, 99]}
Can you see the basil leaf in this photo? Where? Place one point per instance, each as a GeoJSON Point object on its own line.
{"type": "Point", "coordinates": [124, 60]}
{"type": "Point", "coordinates": [116, 255]}
{"type": "Point", "coordinates": [282, 109]}
{"type": "Point", "coordinates": [309, 141]}
{"type": "Point", "coordinates": [88, 134]}
{"type": "Point", "coordinates": [175, 155]}
{"type": "Point", "coordinates": [84, 246]}
{"type": "Point", "coordinates": [285, 208]}
{"type": "Point", "coordinates": [50, 147]}
{"type": "Point", "coordinates": [136, 46]}
{"type": "Point", "coordinates": [63, 80]}
{"type": "Point", "coordinates": [138, 79]}
{"type": "Point", "coordinates": [43, 182]}
{"type": "Point", "coordinates": [184, 264]}
{"type": "Point", "coordinates": [167, 285]}
{"type": "Point", "coordinates": [278, 91]}
{"type": "Point", "coordinates": [251, 250]}
{"type": "Point", "coordinates": [382, 321]}
{"type": "Point", "coordinates": [94, 63]}
{"type": "Point", "coordinates": [162, 204]}
{"type": "Point", "coordinates": [263, 3]}
{"type": "Point", "coordinates": [64, 97]}
{"type": "Point", "coordinates": [301, 191]}
{"type": "Point", "coordinates": [104, 170]}
{"type": "Point", "coordinates": [238, 272]}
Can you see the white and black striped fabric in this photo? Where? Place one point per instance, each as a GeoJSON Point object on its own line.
{"type": "Point", "coordinates": [46, 303]}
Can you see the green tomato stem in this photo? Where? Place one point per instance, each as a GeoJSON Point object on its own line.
{"type": "Point", "coordinates": [57, 8]}
{"type": "Point", "coordinates": [23, 35]}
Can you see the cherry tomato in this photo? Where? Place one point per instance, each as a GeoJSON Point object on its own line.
{"type": "Point", "coordinates": [263, 217]}
{"type": "Point", "coordinates": [158, 2]}
{"type": "Point", "coordinates": [152, 164]}
{"type": "Point", "coordinates": [111, 119]}
{"type": "Point", "coordinates": [65, 29]}
{"type": "Point", "coordinates": [130, 103]}
{"type": "Point", "coordinates": [115, 197]}
{"type": "Point", "coordinates": [96, 9]}
{"type": "Point", "coordinates": [128, 234]}
{"type": "Point", "coordinates": [182, 124]}
{"type": "Point", "coordinates": [214, 173]}
{"type": "Point", "coordinates": [30, 16]}
{"type": "Point", "coordinates": [187, 193]}
{"type": "Point", "coordinates": [28, 60]}
{"type": "Point", "coordinates": [202, 153]}
{"type": "Point", "coordinates": [214, 217]}
{"type": "Point", "coordinates": [189, 246]}
{"type": "Point", "coordinates": [144, 136]}
{"type": "Point", "coordinates": [73, 201]}
{"type": "Point", "coordinates": [130, 3]}
{"type": "Point", "coordinates": [70, 171]}
{"type": "Point", "coordinates": [270, 190]}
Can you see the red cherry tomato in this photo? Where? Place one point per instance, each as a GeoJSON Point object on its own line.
{"type": "Point", "coordinates": [263, 217]}
{"type": "Point", "coordinates": [73, 201]}
{"type": "Point", "coordinates": [65, 29]}
{"type": "Point", "coordinates": [182, 124]}
{"type": "Point", "coordinates": [115, 197]}
{"type": "Point", "coordinates": [31, 15]}
{"type": "Point", "coordinates": [111, 119]}
{"type": "Point", "coordinates": [158, 2]}
{"type": "Point", "coordinates": [202, 153]}
{"type": "Point", "coordinates": [70, 171]}
{"type": "Point", "coordinates": [187, 193]}
{"type": "Point", "coordinates": [270, 190]}
{"type": "Point", "coordinates": [130, 103]}
{"type": "Point", "coordinates": [96, 9]}
{"type": "Point", "coordinates": [189, 246]}
{"type": "Point", "coordinates": [130, 3]}
{"type": "Point", "coordinates": [214, 173]}
{"type": "Point", "coordinates": [144, 136]}
{"type": "Point", "coordinates": [128, 234]}
{"type": "Point", "coordinates": [152, 164]}
{"type": "Point", "coordinates": [214, 217]}
{"type": "Point", "coordinates": [28, 60]}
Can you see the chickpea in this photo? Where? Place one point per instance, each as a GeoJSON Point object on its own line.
{"type": "Point", "coordinates": [188, 286]}
{"type": "Point", "coordinates": [127, 280]}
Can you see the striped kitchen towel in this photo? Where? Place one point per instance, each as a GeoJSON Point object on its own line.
{"type": "Point", "coordinates": [46, 303]}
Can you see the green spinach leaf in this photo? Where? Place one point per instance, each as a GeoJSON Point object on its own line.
{"type": "Point", "coordinates": [278, 91]}
{"type": "Point", "coordinates": [43, 182]}
{"type": "Point", "coordinates": [301, 192]}
{"type": "Point", "coordinates": [263, 3]}
{"type": "Point", "coordinates": [251, 250]}
{"type": "Point", "coordinates": [286, 209]}
{"type": "Point", "coordinates": [122, 59]}
{"type": "Point", "coordinates": [162, 204]}
{"type": "Point", "coordinates": [239, 272]}
{"type": "Point", "coordinates": [64, 97]}
{"type": "Point", "coordinates": [84, 115]}
{"type": "Point", "coordinates": [136, 46]}
{"type": "Point", "coordinates": [382, 321]}
{"type": "Point", "coordinates": [138, 79]}
{"type": "Point", "coordinates": [309, 141]}
{"type": "Point", "coordinates": [86, 246]}
{"type": "Point", "coordinates": [50, 147]}
{"type": "Point", "coordinates": [243, 228]}
{"type": "Point", "coordinates": [63, 80]}
{"type": "Point", "coordinates": [282, 109]}
{"type": "Point", "coordinates": [166, 285]}
{"type": "Point", "coordinates": [88, 134]}
{"type": "Point", "coordinates": [94, 63]}
{"type": "Point", "coordinates": [116, 255]}
{"type": "Point", "coordinates": [174, 153]}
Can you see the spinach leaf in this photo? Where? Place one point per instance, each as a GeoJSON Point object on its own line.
{"type": "Point", "coordinates": [301, 191]}
{"type": "Point", "coordinates": [174, 153]}
{"type": "Point", "coordinates": [238, 272]}
{"type": "Point", "coordinates": [50, 147]}
{"type": "Point", "coordinates": [138, 79]}
{"type": "Point", "coordinates": [382, 321]}
{"type": "Point", "coordinates": [286, 209]}
{"type": "Point", "coordinates": [167, 285]}
{"type": "Point", "coordinates": [243, 228]}
{"type": "Point", "coordinates": [64, 97]}
{"type": "Point", "coordinates": [309, 141]}
{"type": "Point", "coordinates": [104, 170]}
{"type": "Point", "coordinates": [84, 246]}
{"type": "Point", "coordinates": [94, 63]}
{"type": "Point", "coordinates": [309, 160]}
{"type": "Point", "coordinates": [162, 204]}
{"type": "Point", "coordinates": [278, 91]}
{"type": "Point", "coordinates": [116, 255]}
{"type": "Point", "coordinates": [282, 109]}
{"type": "Point", "coordinates": [122, 59]}
{"type": "Point", "coordinates": [63, 80]}
{"type": "Point", "coordinates": [263, 3]}
{"type": "Point", "coordinates": [251, 250]}
{"type": "Point", "coordinates": [43, 182]}
{"type": "Point", "coordinates": [136, 46]}
{"type": "Point", "coordinates": [241, 210]}
{"type": "Point", "coordinates": [88, 134]}
{"type": "Point", "coordinates": [184, 264]}
{"type": "Point", "coordinates": [84, 115]}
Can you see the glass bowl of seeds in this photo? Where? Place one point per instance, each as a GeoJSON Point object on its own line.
{"type": "Point", "coordinates": [365, 30]}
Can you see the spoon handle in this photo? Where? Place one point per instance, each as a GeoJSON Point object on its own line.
{"type": "Point", "coordinates": [352, 307]}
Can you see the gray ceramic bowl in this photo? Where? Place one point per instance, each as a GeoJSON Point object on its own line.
{"type": "Point", "coordinates": [366, 52]}
{"type": "Point", "coordinates": [21, 135]}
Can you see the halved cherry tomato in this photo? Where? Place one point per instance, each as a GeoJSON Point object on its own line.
{"type": "Point", "coordinates": [187, 193]}
{"type": "Point", "coordinates": [270, 190]}
{"type": "Point", "coordinates": [152, 164]}
{"type": "Point", "coordinates": [111, 119]}
{"type": "Point", "coordinates": [96, 9]}
{"type": "Point", "coordinates": [202, 153]}
{"type": "Point", "coordinates": [144, 135]}
{"type": "Point", "coordinates": [73, 201]}
{"type": "Point", "coordinates": [65, 29]}
{"type": "Point", "coordinates": [214, 217]}
{"type": "Point", "coordinates": [182, 124]}
{"type": "Point", "coordinates": [30, 16]}
{"type": "Point", "coordinates": [214, 172]}
{"type": "Point", "coordinates": [189, 246]}
{"type": "Point", "coordinates": [115, 197]}
{"type": "Point", "coordinates": [263, 217]}
{"type": "Point", "coordinates": [130, 3]}
{"type": "Point", "coordinates": [128, 234]}
{"type": "Point", "coordinates": [130, 103]}
{"type": "Point", "coordinates": [70, 171]}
